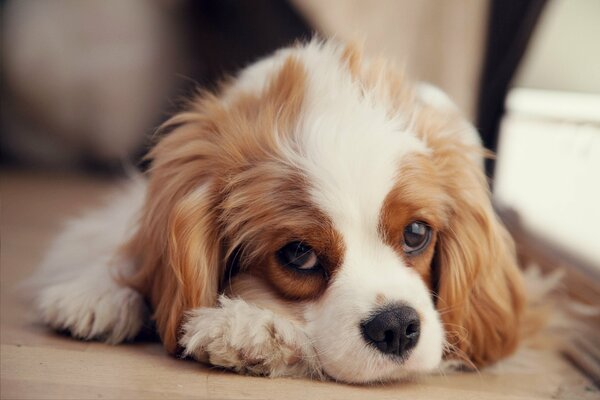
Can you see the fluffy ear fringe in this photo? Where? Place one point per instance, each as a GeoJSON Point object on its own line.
{"type": "Point", "coordinates": [480, 288]}
{"type": "Point", "coordinates": [176, 248]}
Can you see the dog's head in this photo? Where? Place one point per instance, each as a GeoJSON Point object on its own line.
{"type": "Point", "coordinates": [327, 187]}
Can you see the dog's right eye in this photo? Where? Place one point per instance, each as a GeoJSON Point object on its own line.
{"type": "Point", "coordinates": [298, 256]}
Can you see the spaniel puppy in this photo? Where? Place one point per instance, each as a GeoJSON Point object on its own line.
{"type": "Point", "coordinates": [317, 216]}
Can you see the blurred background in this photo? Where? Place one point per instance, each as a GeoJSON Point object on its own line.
{"type": "Point", "coordinates": [84, 84]}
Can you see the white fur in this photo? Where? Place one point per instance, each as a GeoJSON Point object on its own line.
{"type": "Point", "coordinates": [76, 286]}
{"type": "Point", "coordinates": [435, 97]}
{"type": "Point", "coordinates": [249, 339]}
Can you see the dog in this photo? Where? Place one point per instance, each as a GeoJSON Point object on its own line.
{"type": "Point", "coordinates": [318, 215]}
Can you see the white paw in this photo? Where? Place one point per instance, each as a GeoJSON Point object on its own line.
{"type": "Point", "coordinates": [248, 339]}
{"type": "Point", "coordinates": [91, 309]}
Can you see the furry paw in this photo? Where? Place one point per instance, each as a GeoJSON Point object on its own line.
{"type": "Point", "coordinates": [248, 339]}
{"type": "Point", "coordinates": [91, 309]}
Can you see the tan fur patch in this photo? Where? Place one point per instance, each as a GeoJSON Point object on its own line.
{"type": "Point", "coordinates": [257, 291]}
{"type": "Point", "coordinates": [353, 58]}
{"type": "Point", "coordinates": [219, 181]}
{"type": "Point", "coordinates": [417, 196]}
{"type": "Point", "coordinates": [480, 291]}
{"type": "Point", "coordinates": [381, 299]}
{"type": "Point", "coordinates": [281, 213]}
{"type": "Point", "coordinates": [388, 84]}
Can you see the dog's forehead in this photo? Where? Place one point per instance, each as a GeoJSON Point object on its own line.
{"type": "Point", "coordinates": [349, 138]}
{"type": "Point", "coordinates": [352, 144]}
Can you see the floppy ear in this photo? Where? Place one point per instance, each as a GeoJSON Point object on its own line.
{"type": "Point", "coordinates": [479, 287]}
{"type": "Point", "coordinates": [176, 248]}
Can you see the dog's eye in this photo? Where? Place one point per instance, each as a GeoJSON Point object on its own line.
{"type": "Point", "coordinates": [417, 236]}
{"type": "Point", "coordinates": [298, 256]}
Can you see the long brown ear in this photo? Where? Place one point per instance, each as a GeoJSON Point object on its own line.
{"type": "Point", "coordinates": [479, 285]}
{"type": "Point", "coordinates": [480, 290]}
{"type": "Point", "coordinates": [176, 247]}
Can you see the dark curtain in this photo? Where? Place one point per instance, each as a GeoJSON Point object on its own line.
{"type": "Point", "coordinates": [510, 26]}
{"type": "Point", "coordinates": [220, 37]}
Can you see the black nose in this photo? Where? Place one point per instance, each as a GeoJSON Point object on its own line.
{"type": "Point", "coordinates": [393, 331]}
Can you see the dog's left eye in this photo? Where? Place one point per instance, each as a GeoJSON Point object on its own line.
{"type": "Point", "coordinates": [298, 256]}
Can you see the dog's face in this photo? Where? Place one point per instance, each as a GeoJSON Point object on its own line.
{"type": "Point", "coordinates": [327, 189]}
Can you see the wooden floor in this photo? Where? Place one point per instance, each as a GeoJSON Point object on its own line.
{"type": "Point", "coordinates": [36, 363]}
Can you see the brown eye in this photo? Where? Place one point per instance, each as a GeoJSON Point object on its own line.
{"type": "Point", "coordinates": [417, 236]}
{"type": "Point", "coordinates": [298, 256]}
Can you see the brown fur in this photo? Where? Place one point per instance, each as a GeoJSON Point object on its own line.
{"type": "Point", "coordinates": [480, 288]}
{"type": "Point", "coordinates": [202, 177]}
{"type": "Point", "coordinates": [417, 196]}
{"type": "Point", "coordinates": [352, 56]}
{"type": "Point", "coordinates": [479, 283]}
{"type": "Point", "coordinates": [258, 292]}
{"type": "Point", "coordinates": [378, 76]}
{"type": "Point", "coordinates": [269, 206]}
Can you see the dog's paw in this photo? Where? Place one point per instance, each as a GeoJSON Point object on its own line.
{"type": "Point", "coordinates": [89, 309]}
{"type": "Point", "coordinates": [248, 339]}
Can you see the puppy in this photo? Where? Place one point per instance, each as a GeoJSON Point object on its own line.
{"type": "Point", "coordinates": [317, 216]}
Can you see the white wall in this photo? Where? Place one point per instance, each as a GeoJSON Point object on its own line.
{"type": "Point", "coordinates": [548, 166]}
{"type": "Point", "coordinates": [565, 50]}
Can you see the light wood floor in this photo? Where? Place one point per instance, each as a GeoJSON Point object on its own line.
{"type": "Point", "coordinates": [36, 363]}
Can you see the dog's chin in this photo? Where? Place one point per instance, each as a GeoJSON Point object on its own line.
{"type": "Point", "coordinates": [378, 369]}
{"type": "Point", "coordinates": [366, 365]}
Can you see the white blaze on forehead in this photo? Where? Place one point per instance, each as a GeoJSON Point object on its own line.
{"type": "Point", "coordinates": [352, 151]}
{"type": "Point", "coordinates": [352, 146]}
